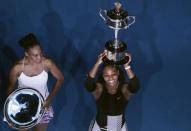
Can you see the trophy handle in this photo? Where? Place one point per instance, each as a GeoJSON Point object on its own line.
{"type": "Point", "coordinates": [133, 20]}
{"type": "Point", "coordinates": [127, 58]}
{"type": "Point", "coordinates": [102, 13]}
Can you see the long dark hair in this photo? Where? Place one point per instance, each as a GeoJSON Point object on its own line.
{"type": "Point", "coordinates": [121, 78]}
{"type": "Point", "coordinates": [29, 41]}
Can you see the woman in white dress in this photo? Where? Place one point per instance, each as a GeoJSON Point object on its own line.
{"type": "Point", "coordinates": [32, 71]}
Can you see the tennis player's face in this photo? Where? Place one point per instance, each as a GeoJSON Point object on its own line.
{"type": "Point", "coordinates": [35, 54]}
{"type": "Point", "coordinates": [111, 75]}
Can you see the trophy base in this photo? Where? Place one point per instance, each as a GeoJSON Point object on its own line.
{"type": "Point", "coordinates": [120, 62]}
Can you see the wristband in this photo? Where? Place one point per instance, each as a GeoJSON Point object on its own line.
{"type": "Point", "coordinates": [127, 67]}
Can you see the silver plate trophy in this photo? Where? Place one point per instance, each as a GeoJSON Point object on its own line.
{"type": "Point", "coordinates": [23, 108]}
{"type": "Point", "coordinates": [116, 19]}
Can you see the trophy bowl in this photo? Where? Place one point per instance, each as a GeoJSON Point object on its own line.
{"type": "Point", "coordinates": [115, 52]}
{"type": "Point", "coordinates": [117, 18]}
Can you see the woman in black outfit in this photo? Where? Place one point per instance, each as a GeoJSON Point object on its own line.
{"type": "Point", "coordinates": [112, 93]}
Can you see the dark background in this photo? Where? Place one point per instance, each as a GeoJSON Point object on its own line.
{"type": "Point", "coordinates": [73, 34]}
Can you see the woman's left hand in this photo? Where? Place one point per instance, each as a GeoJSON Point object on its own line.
{"type": "Point", "coordinates": [46, 104]}
{"type": "Point", "coordinates": [129, 59]}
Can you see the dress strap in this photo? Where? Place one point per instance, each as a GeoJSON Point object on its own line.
{"type": "Point", "coordinates": [43, 64]}
{"type": "Point", "coordinates": [23, 65]}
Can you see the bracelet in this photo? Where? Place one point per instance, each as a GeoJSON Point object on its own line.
{"type": "Point", "coordinates": [127, 67]}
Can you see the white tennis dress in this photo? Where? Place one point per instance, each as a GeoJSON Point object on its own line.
{"type": "Point", "coordinates": [38, 82]}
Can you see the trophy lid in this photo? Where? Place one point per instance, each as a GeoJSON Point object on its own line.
{"type": "Point", "coordinates": [117, 13]}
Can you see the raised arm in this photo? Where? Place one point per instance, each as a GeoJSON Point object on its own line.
{"type": "Point", "coordinates": [14, 72]}
{"type": "Point", "coordinates": [90, 84]}
{"type": "Point", "coordinates": [99, 61]}
{"type": "Point", "coordinates": [133, 84]}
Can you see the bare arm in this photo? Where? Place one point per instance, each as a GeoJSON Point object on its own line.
{"type": "Point", "coordinates": [127, 67]}
{"type": "Point", "coordinates": [12, 78]}
{"type": "Point", "coordinates": [133, 85]}
{"type": "Point", "coordinates": [59, 80]}
{"type": "Point", "coordinates": [99, 61]}
{"type": "Point", "coordinates": [130, 73]}
{"type": "Point", "coordinates": [90, 83]}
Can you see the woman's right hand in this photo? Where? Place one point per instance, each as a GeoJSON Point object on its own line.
{"type": "Point", "coordinates": [100, 57]}
{"type": "Point", "coordinates": [10, 126]}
